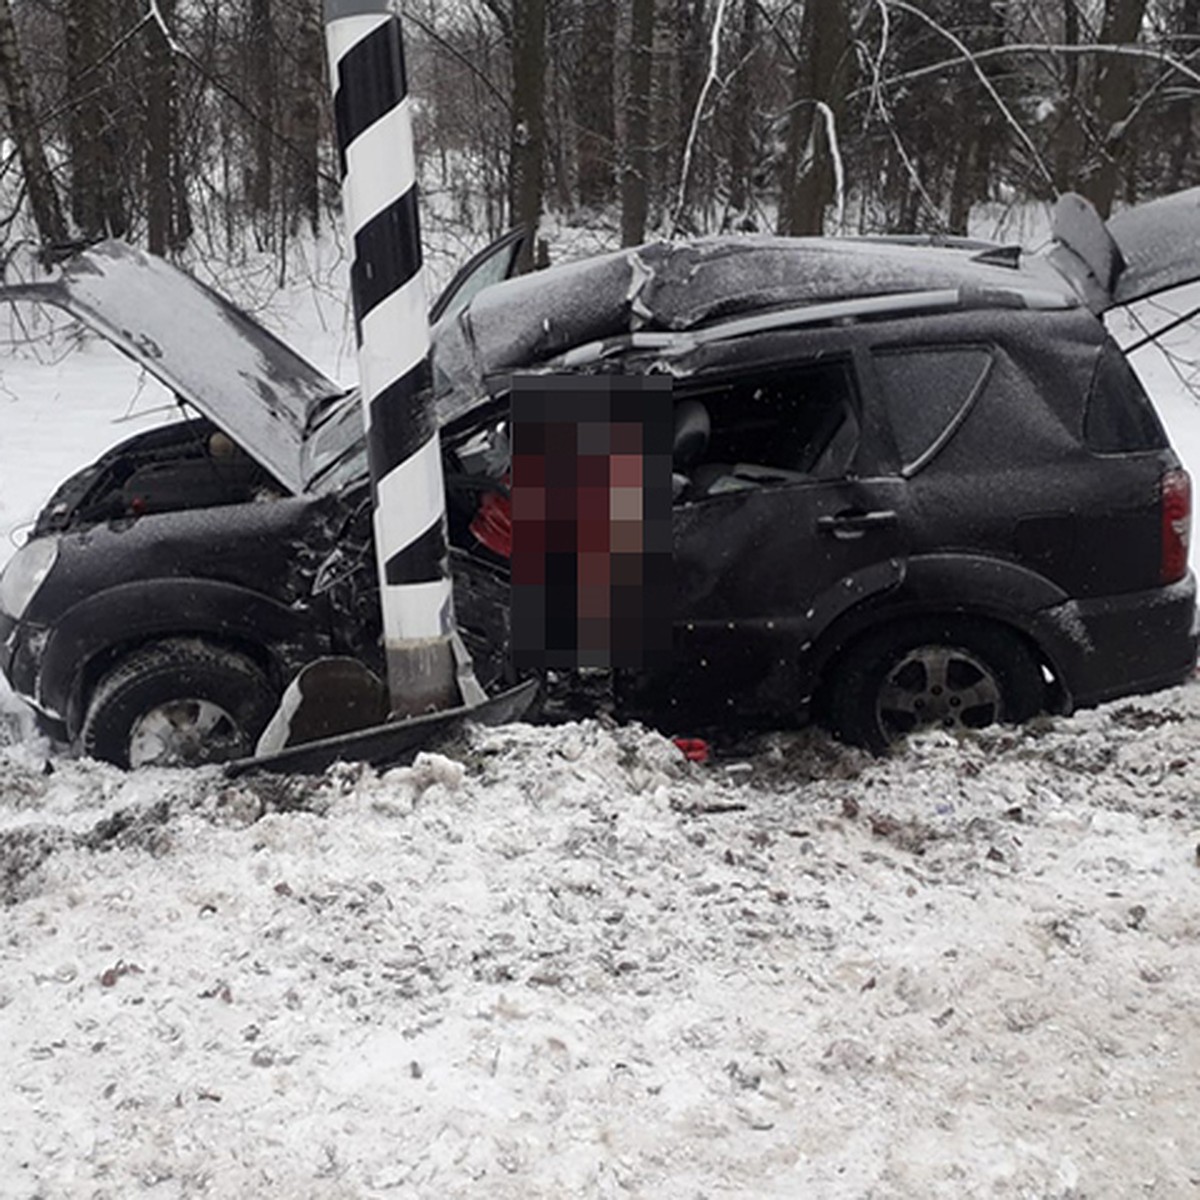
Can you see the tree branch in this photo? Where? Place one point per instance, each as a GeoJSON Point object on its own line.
{"type": "Point", "coordinates": [972, 59]}
{"type": "Point", "coordinates": [459, 57]}
{"type": "Point", "coordinates": [711, 78]}
{"type": "Point", "coordinates": [1023, 48]}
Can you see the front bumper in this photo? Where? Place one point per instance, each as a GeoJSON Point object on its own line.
{"type": "Point", "coordinates": [1121, 645]}
{"type": "Point", "coordinates": [21, 646]}
{"type": "Point", "coordinates": [8, 627]}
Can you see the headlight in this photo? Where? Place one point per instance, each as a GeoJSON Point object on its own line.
{"type": "Point", "coordinates": [25, 573]}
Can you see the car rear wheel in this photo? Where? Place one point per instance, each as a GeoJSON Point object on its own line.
{"type": "Point", "coordinates": [951, 673]}
{"type": "Point", "coordinates": [181, 702]}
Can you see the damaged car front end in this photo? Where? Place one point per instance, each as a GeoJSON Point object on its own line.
{"type": "Point", "coordinates": [169, 591]}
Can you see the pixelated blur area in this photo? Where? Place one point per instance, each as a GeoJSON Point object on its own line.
{"type": "Point", "coordinates": [591, 509]}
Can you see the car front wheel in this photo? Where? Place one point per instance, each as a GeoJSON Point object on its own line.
{"type": "Point", "coordinates": [950, 673]}
{"type": "Point", "coordinates": [180, 702]}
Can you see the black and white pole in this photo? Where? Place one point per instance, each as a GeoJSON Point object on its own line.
{"type": "Point", "coordinates": [379, 196]}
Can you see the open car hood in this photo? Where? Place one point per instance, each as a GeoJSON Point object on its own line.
{"type": "Point", "coordinates": [1138, 253]}
{"type": "Point", "coordinates": [244, 379]}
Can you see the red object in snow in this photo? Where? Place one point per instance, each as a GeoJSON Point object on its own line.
{"type": "Point", "coordinates": [693, 749]}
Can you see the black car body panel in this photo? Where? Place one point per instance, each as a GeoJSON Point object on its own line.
{"type": "Point", "coordinates": [241, 573]}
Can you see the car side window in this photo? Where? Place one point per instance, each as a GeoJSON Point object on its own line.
{"type": "Point", "coordinates": [788, 425]}
{"type": "Point", "coordinates": [1119, 418]}
{"type": "Point", "coordinates": [929, 391]}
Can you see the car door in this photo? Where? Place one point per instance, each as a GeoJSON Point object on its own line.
{"type": "Point", "coordinates": [776, 535]}
{"type": "Point", "coordinates": [493, 264]}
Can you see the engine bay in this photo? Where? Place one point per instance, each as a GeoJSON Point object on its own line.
{"type": "Point", "coordinates": [186, 465]}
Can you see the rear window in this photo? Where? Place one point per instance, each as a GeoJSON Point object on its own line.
{"type": "Point", "coordinates": [1119, 418]}
{"type": "Point", "coordinates": [929, 392]}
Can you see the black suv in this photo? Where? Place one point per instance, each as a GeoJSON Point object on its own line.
{"type": "Point", "coordinates": [914, 483]}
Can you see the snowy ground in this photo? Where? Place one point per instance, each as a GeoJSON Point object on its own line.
{"type": "Point", "coordinates": [564, 962]}
{"type": "Point", "coordinates": [558, 963]}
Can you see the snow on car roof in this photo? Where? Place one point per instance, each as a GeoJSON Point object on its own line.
{"type": "Point", "coordinates": [682, 286]}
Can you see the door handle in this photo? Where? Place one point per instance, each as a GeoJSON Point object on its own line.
{"type": "Point", "coordinates": [855, 524]}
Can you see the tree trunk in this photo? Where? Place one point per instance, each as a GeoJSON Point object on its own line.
{"type": "Point", "coordinates": [1179, 113]}
{"type": "Point", "coordinates": [691, 60]}
{"type": "Point", "coordinates": [261, 61]}
{"type": "Point", "coordinates": [1113, 100]}
{"type": "Point", "coordinates": [594, 102]}
{"type": "Point", "coordinates": [85, 20]}
{"type": "Point", "coordinates": [163, 227]}
{"type": "Point", "coordinates": [635, 190]}
{"type": "Point", "coordinates": [1069, 137]}
{"type": "Point", "coordinates": [527, 156]}
{"type": "Point", "coordinates": [974, 117]}
{"type": "Point", "coordinates": [306, 171]}
{"type": "Point", "coordinates": [808, 178]}
{"type": "Point", "coordinates": [741, 133]}
{"type": "Point", "coordinates": [39, 184]}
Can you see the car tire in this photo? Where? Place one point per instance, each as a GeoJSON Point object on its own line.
{"type": "Point", "coordinates": [949, 672]}
{"type": "Point", "coordinates": [180, 702]}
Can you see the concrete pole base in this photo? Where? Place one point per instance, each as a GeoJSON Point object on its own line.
{"type": "Point", "coordinates": [422, 675]}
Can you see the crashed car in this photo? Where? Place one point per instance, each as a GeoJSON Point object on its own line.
{"type": "Point", "coordinates": [915, 483]}
{"type": "Point", "coordinates": [169, 591]}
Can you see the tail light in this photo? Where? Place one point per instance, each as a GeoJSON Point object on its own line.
{"type": "Point", "coordinates": [1176, 507]}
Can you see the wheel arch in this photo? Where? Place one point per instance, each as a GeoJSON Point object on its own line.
{"type": "Point", "coordinates": [186, 699]}
{"type": "Point", "coordinates": [942, 586]}
{"type": "Point", "coordinates": [99, 631]}
{"type": "Point", "coordinates": [998, 652]}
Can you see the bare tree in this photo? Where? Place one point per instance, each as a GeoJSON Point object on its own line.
{"type": "Point", "coordinates": [635, 186]}
{"type": "Point", "coordinates": [39, 184]}
{"type": "Point", "coordinates": [262, 86]}
{"type": "Point", "coordinates": [168, 223]}
{"type": "Point", "coordinates": [1113, 100]}
{"type": "Point", "coordinates": [1179, 120]}
{"type": "Point", "coordinates": [741, 136]}
{"type": "Point", "coordinates": [594, 113]}
{"type": "Point", "coordinates": [820, 80]}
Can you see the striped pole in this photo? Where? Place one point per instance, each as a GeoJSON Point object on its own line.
{"type": "Point", "coordinates": [379, 196]}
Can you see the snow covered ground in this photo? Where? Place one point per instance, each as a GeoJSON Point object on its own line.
{"type": "Point", "coordinates": [564, 962]}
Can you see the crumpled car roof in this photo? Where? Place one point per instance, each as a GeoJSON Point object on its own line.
{"type": "Point", "coordinates": [681, 286]}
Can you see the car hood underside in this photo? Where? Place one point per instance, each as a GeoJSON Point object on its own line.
{"type": "Point", "coordinates": [210, 353]}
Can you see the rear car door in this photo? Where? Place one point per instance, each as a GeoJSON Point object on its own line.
{"type": "Point", "coordinates": [778, 530]}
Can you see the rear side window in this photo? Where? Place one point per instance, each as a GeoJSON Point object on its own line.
{"type": "Point", "coordinates": [929, 392]}
{"type": "Point", "coordinates": [1119, 418]}
{"type": "Point", "coordinates": [791, 425]}
{"type": "Point", "coordinates": [788, 419]}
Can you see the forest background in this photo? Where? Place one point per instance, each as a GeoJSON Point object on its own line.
{"type": "Point", "coordinates": [202, 127]}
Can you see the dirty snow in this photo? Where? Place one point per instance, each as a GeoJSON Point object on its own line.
{"type": "Point", "coordinates": [564, 962]}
